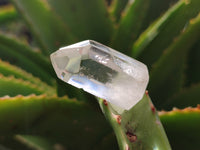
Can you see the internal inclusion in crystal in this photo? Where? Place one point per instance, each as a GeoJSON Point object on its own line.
{"type": "Point", "coordinates": [97, 71]}
{"type": "Point", "coordinates": [102, 72]}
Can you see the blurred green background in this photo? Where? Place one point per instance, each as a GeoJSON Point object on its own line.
{"type": "Point", "coordinates": [38, 111]}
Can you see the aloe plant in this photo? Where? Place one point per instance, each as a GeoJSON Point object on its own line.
{"type": "Point", "coordinates": [37, 111]}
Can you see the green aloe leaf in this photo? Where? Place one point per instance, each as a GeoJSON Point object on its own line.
{"type": "Point", "coordinates": [117, 8]}
{"type": "Point", "coordinates": [35, 142]}
{"type": "Point", "coordinates": [48, 30]}
{"type": "Point", "coordinates": [7, 13]}
{"type": "Point", "coordinates": [167, 76]}
{"type": "Point", "coordinates": [182, 128]}
{"type": "Point", "coordinates": [23, 56]}
{"type": "Point", "coordinates": [130, 25]}
{"type": "Point", "coordinates": [156, 9]}
{"type": "Point", "coordinates": [86, 19]}
{"type": "Point", "coordinates": [11, 86]}
{"type": "Point", "coordinates": [136, 17]}
{"type": "Point", "coordinates": [186, 97]}
{"type": "Point", "coordinates": [154, 29]}
{"type": "Point", "coordinates": [163, 32]}
{"type": "Point", "coordinates": [138, 128]}
{"type": "Point", "coordinates": [58, 120]}
{"type": "Point", "coordinates": [25, 142]}
{"type": "Point", "coordinates": [9, 70]}
{"type": "Point", "coordinates": [10, 142]}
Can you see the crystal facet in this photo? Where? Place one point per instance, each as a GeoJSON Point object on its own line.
{"type": "Point", "coordinates": [102, 72]}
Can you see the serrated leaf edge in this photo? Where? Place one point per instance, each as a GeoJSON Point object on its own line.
{"type": "Point", "coordinates": [26, 83]}
{"type": "Point", "coordinates": [176, 110]}
{"type": "Point", "coordinates": [32, 78]}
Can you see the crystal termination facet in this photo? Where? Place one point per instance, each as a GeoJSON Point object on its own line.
{"type": "Point", "coordinates": [102, 71]}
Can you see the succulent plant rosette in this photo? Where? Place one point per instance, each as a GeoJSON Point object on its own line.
{"type": "Point", "coordinates": [38, 111]}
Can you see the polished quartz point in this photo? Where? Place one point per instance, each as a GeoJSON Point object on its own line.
{"type": "Point", "coordinates": [102, 71]}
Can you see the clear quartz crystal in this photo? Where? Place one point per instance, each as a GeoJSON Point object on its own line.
{"type": "Point", "coordinates": [102, 72]}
